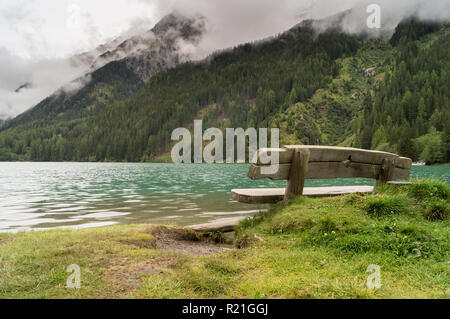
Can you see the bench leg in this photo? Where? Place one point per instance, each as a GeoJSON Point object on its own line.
{"type": "Point", "coordinates": [387, 170]}
{"type": "Point", "coordinates": [297, 174]}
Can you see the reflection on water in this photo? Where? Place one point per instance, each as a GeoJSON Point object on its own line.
{"type": "Point", "coordinates": [48, 195]}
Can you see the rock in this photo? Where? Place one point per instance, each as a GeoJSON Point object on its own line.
{"type": "Point", "coordinates": [358, 96]}
{"type": "Point", "coordinates": [370, 72]}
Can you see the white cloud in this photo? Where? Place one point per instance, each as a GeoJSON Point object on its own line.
{"type": "Point", "coordinates": [238, 21]}
{"type": "Point", "coordinates": [44, 29]}
{"type": "Point", "coordinates": [44, 77]}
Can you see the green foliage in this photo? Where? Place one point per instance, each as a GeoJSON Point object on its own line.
{"type": "Point", "coordinates": [412, 29]}
{"type": "Point", "coordinates": [379, 138]}
{"type": "Point", "coordinates": [409, 108]}
{"type": "Point", "coordinates": [432, 146]}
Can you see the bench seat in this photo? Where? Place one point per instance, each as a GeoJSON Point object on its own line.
{"type": "Point", "coordinates": [274, 195]}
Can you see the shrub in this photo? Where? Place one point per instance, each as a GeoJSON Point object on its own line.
{"type": "Point", "coordinates": [216, 237]}
{"type": "Point", "coordinates": [437, 210]}
{"type": "Point", "coordinates": [430, 188]}
{"type": "Point", "coordinates": [253, 222]}
{"type": "Point", "coordinates": [242, 240]}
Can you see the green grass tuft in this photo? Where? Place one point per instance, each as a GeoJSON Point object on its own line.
{"type": "Point", "coordinates": [429, 189]}
{"type": "Point", "coordinates": [290, 223]}
{"type": "Point", "coordinates": [385, 205]}
{"type": "Point", "coordinates": [223, 267]}
{"type": "Point", "coordinates": [438, 210]}
{"type": "Point", "coordinates": [203, 283]}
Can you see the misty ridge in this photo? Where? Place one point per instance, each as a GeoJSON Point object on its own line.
{"type": "Point", "coordinates": [197, 33]}
{"type": "Point", "coordinates": [171, 42]}
{"type": "Point", "coordinates": [166, 45]}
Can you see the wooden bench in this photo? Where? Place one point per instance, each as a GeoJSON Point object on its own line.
{"type": "Point", "coordinates": [300, 162]}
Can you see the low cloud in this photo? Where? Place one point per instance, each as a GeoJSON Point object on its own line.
{"type": "Point", "coordinates": [392, 12]}
{"type": "Point", "coordinates": [233, 22]}
{"type": "Point", "coordinates": [40, 78]}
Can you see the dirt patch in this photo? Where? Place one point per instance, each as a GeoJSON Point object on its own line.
{"type": "Point", "coordinates": [128, 276]}
{"type": "Point", "coordinates": [185, 241]}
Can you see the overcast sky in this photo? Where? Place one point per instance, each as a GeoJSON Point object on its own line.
{"type": "Point", "coordinates": [36, 35]}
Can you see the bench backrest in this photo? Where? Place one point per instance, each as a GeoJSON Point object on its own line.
{"type": "Point", "coordinates": [300, 162]}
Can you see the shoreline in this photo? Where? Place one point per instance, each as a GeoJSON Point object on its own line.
{"type": "Point", "coordinates": [165, 162]}
{"type": "Point", "coordinates": [219, 225]}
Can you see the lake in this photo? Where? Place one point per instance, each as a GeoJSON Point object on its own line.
{"type": "Point", "coordinates": [76, 195]}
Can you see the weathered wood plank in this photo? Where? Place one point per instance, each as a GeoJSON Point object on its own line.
{"type": "Point", "coordinates": [400, 173]}
{"type": "Point", "coordinates": [322, 170]}
{"type": "Point", "coordinates": [403, 162]}
{"type": "Point", "coordinates": [297, 173]}
{"type": "Point", "coordinates": [274, 195]}
{"type": "Point", "coordinates": [254, 172]}
{"type": "Point", "coordinates": [340, 154]}
{"type": "Point", "coordinates": [331, 154]}
{"type": "Point", "coordinates": [319, 170]}
{"type": "Point", "coordinates": [284, 155]}
{"type": "Point", "coordinates": [258, 196]}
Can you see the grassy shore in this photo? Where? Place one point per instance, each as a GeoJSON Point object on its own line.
{"type": "Point", "coordinates": [309, 248]}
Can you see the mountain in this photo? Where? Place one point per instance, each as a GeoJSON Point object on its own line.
{"type": "Point", "coordinates": [118, 70]}
{"type": "Point", "coordinates": [410, 111]}
{"type": "Point", "coordinates": [158, 49]}
{"type": "Point", "coordinates": [324, 87]}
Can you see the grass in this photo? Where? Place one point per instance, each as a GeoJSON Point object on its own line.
{"type": "Point", "coordinates": [430, 189]}
{"type": "Point", "coordinates": [385, 205]}
{"type": "Point", "coordinates": [309, 248]}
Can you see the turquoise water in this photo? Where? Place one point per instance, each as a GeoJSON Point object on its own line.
{"type": "Point", "coordinates": [49, 195]}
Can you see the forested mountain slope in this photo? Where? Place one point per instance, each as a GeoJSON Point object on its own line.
{"type": "Point", "coordinates": [409, 112]}
{"type": "Point", "coordinates": [328, 88]}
